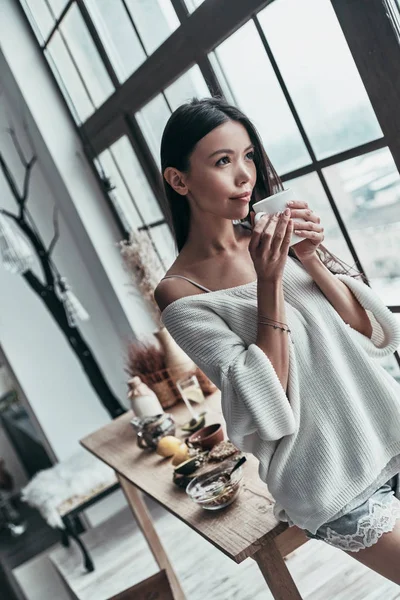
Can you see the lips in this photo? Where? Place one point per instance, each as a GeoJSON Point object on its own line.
{"type": "Point", "coordinates": [245, 196]}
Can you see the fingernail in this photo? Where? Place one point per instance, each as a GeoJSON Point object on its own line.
{"type": "Point", "coordinates": [287, 211]}
{"type": "Point", "coordinates": [278, 213]}
{"type": "Point", "coordinates": [290, 203]}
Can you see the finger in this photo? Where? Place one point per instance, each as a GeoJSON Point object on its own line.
{"type": "Point", "coordinates": [288, 236]}
{"type": "Point", "coordinates": [297, 204]}
{"type": "Point", "coordinates": [259, 216]}
{"type": "Point", "coordinates": [258, 230]}
{"type": "Point", "coordinates": [306, 214]}
{"type": "Point", "coordinates": [281, 231]}
{"type": "Point", "coordinates": [307, 226]}
{"type": "Point", "coordinates": [314, 236]}
{"type": "Point", "coordinates": [274, 233]}
{"type": "Point", "coordinates": [260, 220]}
{"type": "Point", "coordinates": [269, 226]}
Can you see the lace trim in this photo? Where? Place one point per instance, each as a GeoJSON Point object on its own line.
{"type": "Point", "coordinates": [381, 519]}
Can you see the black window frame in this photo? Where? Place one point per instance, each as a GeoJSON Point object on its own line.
{"type": "Point", "coordinates": [369, 33]}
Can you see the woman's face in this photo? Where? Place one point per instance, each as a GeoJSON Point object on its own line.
{"type": "Point", "coordinates": [222, 167]}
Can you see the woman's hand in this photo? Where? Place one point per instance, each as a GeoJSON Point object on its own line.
{"type": "Point", "coordinates": [312, 231]}
{"type": "Point", "coordinates": [269, 245]}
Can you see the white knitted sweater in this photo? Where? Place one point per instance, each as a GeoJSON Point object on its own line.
{"type": "Point", "coordinates": [337, 439]}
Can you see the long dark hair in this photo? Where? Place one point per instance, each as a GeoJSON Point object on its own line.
{"type": "Point", "coordinates": [187, 125]}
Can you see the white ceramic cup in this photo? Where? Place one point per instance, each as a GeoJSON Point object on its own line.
{"type": "Point", "coordinates": [277, 202]}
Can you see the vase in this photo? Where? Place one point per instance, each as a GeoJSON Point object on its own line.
{"type": "Point", "coordinates": [144, 401]}
{"type": "Point", "coordinates": [175, 358]}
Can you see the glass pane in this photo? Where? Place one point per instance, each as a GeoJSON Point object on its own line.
{"type": "Point", "coordinates": [367, 191]}
{"type": "Point", "coordinates": [391, 365]}
{"type": "Point", "coordinates": [394, 15]}
{"type": "Point", "coordinates": [68, 79]}
{"type": "Point", "coordinates": [152, 119]}
{"type": "Point", "coordinates": [155, 21]}
{"type": "Point", "coordinates": [309, 188]}
{"type": "Point", "coordinates": [320, 74]}
{"type": "Point", "coordinates": [86, 57]}
{"type": "Point", "coordinates": [193, 4]}
{"type": "Point", "coordinates": [40, 18]}
{"type": "Point", "coordinates": [118, 36]}
{"type": "Point", "coordinates": [188, 85]}
{"type": "Point", "coordinates": [165, 244]}
{"type": "Point", "coordinates": [136, 181]}
{"type": "Point", "coordinates": [56, 6]}
{"type": "Point", "coordinates": [120, 195]}
{"type": "Point", "coordinates": [248, 80]}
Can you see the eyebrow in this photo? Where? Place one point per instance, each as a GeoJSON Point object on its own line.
{"type": "Point", "coordinates": [228, 151]}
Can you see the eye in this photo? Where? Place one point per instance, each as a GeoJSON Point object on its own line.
{"type": "Point", "coordinates": [250, 154]}
{"type": "Point", "coordinates": [219, 161]}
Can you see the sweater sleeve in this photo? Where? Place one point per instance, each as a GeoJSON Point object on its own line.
{"type": "Point", "coordinates": [254, 403]}
{"type": "Point", "coordinates": [385, 338]}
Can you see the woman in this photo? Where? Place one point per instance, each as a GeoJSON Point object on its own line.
{"type": "Point", "coordinates": [292, 345]}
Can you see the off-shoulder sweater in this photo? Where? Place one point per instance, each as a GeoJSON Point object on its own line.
{"type": "Point", "coordinates": [328, 442]}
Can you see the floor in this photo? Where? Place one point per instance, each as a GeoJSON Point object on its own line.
{"type": "Point", "coordinates": [320, 572]}
{"type": "Point", "coordinates": [16, 551]}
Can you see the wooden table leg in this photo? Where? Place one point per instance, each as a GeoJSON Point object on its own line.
{"type": "Point", "coordinates": [276, 573]}
{"type": "Point", "coordinates": [143, 518]}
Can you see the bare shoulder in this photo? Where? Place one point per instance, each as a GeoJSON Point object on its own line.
{"type": "Point", "coordinates": [169, 290]}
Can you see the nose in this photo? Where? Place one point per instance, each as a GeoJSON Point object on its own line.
{"type": "Point", "coordinates": [243, 174]}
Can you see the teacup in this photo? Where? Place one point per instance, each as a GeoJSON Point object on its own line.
{"type": "Point", "coordinates": [277, 202]}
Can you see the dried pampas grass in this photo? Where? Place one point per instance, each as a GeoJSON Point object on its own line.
{"type": "Point", "coordinates": [143, 263]}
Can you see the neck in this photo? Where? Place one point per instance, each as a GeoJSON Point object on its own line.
{"type": "Point", "coordinates": [214, 236]}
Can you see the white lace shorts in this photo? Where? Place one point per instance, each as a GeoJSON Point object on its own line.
{"type": "Point", "coordinates": [364, 525]}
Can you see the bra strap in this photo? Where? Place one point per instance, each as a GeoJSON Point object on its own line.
{"type": "Point", "coordinates": [187, 279]}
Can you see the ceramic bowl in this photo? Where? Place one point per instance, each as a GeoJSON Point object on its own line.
{"type": "Point", "coordinates": [207, 437]}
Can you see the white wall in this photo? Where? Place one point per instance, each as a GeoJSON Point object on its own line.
{"type": "Point", "coordinates": [49, 373]}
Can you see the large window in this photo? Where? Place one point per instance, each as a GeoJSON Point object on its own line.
{"type": "Point", "coordinates": [367, 191]}
{"type": "Point", "coordinates": [261, 97]}
{"type": "Point", "coordinates": [153, 117]}
{"type": "Point", "coordinates": [94, 45]}
{"type": "Point", "coordinates": [320, 75]}
{"type": "Point", "coordinates": [124, 65]}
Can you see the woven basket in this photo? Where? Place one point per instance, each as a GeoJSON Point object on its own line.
{"type": "Point", "coordinates": [163, 383]}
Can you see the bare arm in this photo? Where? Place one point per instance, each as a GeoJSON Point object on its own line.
{"type": "Point", "coordinates": [340, 296]}
{"type": "Point", "coordinates": [273, 342]}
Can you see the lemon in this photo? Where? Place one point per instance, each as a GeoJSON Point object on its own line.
{"type": "Point", "coordinates": [180, 455]}
{"type": "Point", "coordinates": [168, 445]}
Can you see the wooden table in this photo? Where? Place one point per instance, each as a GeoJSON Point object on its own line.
{"type": "Point", "coordinates": [245, 529]}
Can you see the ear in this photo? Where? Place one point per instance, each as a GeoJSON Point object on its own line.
{"type": "Point", "coordinates": [176, 180]}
